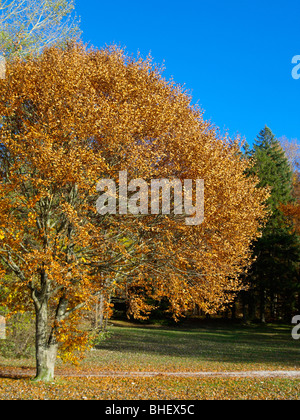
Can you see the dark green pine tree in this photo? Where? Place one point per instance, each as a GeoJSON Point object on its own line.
{"type": "Point", "coordinates": [273, 169]}
{"type": "Point", "coordinates": [277, 251]}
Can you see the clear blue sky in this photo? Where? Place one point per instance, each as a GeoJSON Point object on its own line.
{"type": "Point", "coordinates": [233, 56]}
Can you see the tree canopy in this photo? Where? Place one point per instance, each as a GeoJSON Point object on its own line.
{"type": "Point", "coordinates": [72, 116]}
{"type": "Point", "coordinates": [27, 26]}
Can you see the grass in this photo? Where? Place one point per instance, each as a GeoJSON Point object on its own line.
{"type": "Point", "coordinates": [213, 346]}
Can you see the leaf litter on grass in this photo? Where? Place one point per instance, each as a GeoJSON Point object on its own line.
{"type": "Point", "coordinates": [159, 388]}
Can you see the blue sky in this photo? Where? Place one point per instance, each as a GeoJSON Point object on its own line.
{"type": "Point", "coordinates": [233, 56]}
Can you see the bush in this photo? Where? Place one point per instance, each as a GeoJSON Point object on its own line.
{"type": "Point", "coordinates": [20, 333]}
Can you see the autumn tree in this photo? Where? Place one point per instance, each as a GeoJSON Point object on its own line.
{"type": "Point", "coordinates": [72, 117]}
{"type": "Point", "coordinates": [27, 26]}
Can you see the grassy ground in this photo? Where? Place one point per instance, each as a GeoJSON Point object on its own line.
{"type": "Point", "coordinates": [212, 347]}
{"type": "Point", "coordinates": [190, 348]}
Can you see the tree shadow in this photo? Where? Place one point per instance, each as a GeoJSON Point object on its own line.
{"type": "Point", "coordinates": [216, 343]}
{"type": "Point", "coordinates": [16, 373]}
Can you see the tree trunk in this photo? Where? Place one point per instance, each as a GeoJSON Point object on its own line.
{"type": "Point", "coordinates": [45, 362]}
{"type": "Point", "coordinates": [106, 315]}
{"type": "Point", "coordinates": [46, 349]}
{"type": "Point", "coordinates": [251, 305]}
{"type": "Point", "coordinates": [273, 306]}
{"type": "Point", "coordinates": [262, 305]}
{"type": "Point", "coordinates": [101, 311]}
{"type": "Point", "coordinates": [233, 311]}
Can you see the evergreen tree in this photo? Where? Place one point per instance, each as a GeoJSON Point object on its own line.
{"type": "Point", "coordinates": [273, 275]}
{"type": "Point", "coordinates": [273, 169]}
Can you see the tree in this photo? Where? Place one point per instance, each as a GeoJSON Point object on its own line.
{"type": "Point", "coordinates": [71, 117]}
{"type": "Point", "coordinates": [277, 251]}
{"type": "Point", "coordinates": [292, 210]}
{"type": "Point", "coordinates": [272, 168]}
{"type": "Point", "coordinates": [292, 151]}
{"type": "Point", "coordinates": [27, 26]}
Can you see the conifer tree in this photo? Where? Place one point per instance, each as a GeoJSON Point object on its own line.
{"type": "Point", "coordinates": [273, 169]}
{"type": "Point", "coordinates": [277, 251]}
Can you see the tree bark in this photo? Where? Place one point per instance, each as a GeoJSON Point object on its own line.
{"type": "Point", "coordinates": [100, 314]}
{"type": "Point", "coordinates": [46, 349]}
{"type": "Point", "coordinates": [45, 362]}
{"type": "Point", "coordinates": [262, 305]}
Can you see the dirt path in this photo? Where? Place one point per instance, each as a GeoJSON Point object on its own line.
{"type": "Point", "coordinates": [240, 374]}
{"type": "Point", "coordinates": [26, 372]}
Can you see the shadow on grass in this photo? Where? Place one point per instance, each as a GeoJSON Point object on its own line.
{"type": "Point", "coordinates": [16, 375]}
{"type": "Point", "coordinates": [217, 342]}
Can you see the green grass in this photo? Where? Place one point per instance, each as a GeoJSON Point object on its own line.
{"type": "Point", "coordinates": [213, 346]}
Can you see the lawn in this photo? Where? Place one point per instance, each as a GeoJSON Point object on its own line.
{"type": "Point", "coordinates": [213, 346]}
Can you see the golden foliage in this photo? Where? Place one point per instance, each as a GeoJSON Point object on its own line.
{"type": "Point", "coordinates": [70, 117]}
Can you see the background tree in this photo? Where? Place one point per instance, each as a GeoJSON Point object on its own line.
{"type": "Point", "coordinates": [277, 251]}
{"type": "Point", "coordinates": [292, 151]}
{"type": "Point", "coordinates": [292, 209]}
{"type": "Point", "coordinates": [273, 169]}
{"type": "Point", "coordinates": [70, 117]}
{"type": "Point", "coordinates": [27, 26]}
